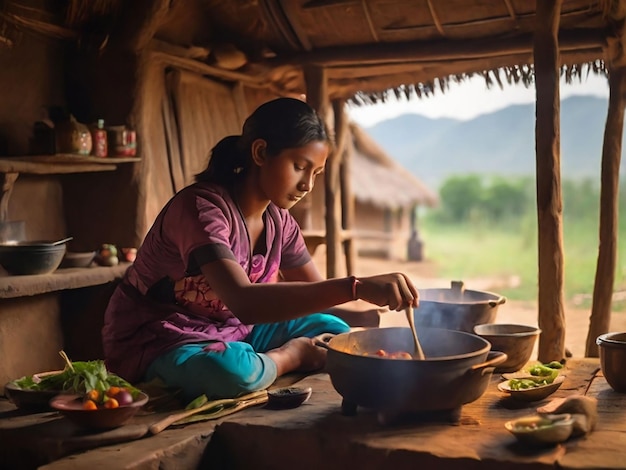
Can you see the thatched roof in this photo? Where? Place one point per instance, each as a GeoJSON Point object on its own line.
{"type": "Point", "coordinates": [370, 49]}
{"type": "Point", "coordinates": [379, 180]}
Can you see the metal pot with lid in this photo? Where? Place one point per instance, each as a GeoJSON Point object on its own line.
{"type": "Point", "coordinates": [456, 308]}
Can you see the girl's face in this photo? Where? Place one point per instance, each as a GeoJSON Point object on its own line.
{"type": "Point", "coordinates": [287, 177]}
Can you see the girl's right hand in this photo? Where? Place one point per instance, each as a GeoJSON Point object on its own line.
{"type": "Point", "coordinates": [394, 290]}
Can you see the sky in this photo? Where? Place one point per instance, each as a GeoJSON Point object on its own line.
{"type": "Point", "coordinates": [470, 99]}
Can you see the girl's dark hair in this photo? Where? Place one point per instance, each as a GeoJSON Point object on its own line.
{"type": "Point", "coordinates": [282, 123]}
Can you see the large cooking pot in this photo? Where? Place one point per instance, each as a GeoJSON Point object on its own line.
{"type": "Point", "coordinates": [456, 308]}
{"type": "Point", "coordinates": [456, 370]}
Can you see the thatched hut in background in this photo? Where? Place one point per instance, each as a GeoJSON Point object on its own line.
{"type": "Point", "coordinates": [385, 198]}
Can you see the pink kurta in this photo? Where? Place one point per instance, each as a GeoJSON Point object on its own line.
{"type": "Point", "coordinates": [164, 301]}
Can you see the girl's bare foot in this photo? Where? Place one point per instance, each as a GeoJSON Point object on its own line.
{"type": "Point", "coordinates": [298, 354]}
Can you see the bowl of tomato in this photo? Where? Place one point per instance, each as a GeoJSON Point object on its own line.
{"type": "Point", "coordinates": [107, 410]}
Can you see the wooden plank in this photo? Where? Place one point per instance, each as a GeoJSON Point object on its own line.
{"type": "Point", "coordinates": [54, 165]}
{"type": "Point", "coordinates": [61, 279]}
{"type": "Point", "coordinates": [600, 321]}
{"type": "Point", "coordinates": [549, 201]}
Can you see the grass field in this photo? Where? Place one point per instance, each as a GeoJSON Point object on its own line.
{"type": "Point", "coordinates": [509, 250]}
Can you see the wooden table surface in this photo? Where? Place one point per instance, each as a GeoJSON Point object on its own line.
{"type": "Point", "coordinates": [316, 435]}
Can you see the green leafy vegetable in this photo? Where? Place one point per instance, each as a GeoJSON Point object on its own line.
{"type": "Point", "coordinates": [78, 377]}
{"type": "Point", "coordinates": [541, 374]}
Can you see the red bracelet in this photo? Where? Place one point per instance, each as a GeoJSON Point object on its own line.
{"type": "Point", "coordinates": [355, 282]}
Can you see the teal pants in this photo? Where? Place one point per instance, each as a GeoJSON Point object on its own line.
{"type": "Point", "coordinates": [242, 367]}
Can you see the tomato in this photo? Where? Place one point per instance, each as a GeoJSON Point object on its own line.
{"type": "Point", "coordinates": [93, 395]}
{"type": "Point", "coordinates": [89, 405]}
{"type": "Point", "coordinates": [112, 391]}
{"type": "Point", "coordinates": [111, 403]}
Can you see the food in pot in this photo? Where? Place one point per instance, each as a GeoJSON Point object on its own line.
{"type": "Point", "coordinates": [390, 355]}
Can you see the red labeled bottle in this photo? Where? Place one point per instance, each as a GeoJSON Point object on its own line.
{"type": "Point", "coordinates": [99, 138]}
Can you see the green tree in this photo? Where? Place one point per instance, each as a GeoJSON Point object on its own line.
{"type": "Point", "coordinates": [459, 195]}
{"type": "Point", "coordinates": [506, 198]}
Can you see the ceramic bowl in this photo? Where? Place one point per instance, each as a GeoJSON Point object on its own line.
{"type": "Point", "coordinates": [71, 406]}
{"type": "Point", "coordinates": [517, 341]}
{"type": "Point", "coordinates": [29, 399]}
{"type": "Point", "coordinates": [534, 393]}
{"type": "Point", "coordinates": [612, 350]}
{"type": "Point", "coordinates": [288, 397]}
{"type": "Point", "coordinates": [78, 259]}
{"type": "Point", "coordinates": [541, 430]}
{"type": "Point", "coordinates": [32, 399]}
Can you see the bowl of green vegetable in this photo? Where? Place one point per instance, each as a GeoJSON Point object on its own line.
{"type": "Point", "coordinates": [532, 393]}
{"type": "Point", "coordinates": [78, 378]}
{"type": "Point", "coordinates": [30, 393]}
{"type": "Point", "coordinates": [534, 383]}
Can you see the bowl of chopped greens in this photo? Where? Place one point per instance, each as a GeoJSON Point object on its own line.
{"type": "Point", "coordinates": [29, 392]}
{"type": "Point", "coordinates": [535, 383]}
{"type": "Point", "coordinates": [77, 378]}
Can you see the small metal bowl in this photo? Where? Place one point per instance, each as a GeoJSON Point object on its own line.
{"type": "Point", "coordinates": [612, 350]}
{"type": "Point", "coordinates": [288, 397]}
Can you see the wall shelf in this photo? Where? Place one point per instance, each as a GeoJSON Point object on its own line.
{"type": "Point", "coordinates": [61, 279]}
{"type": "Point", "coordinates": [11, 167]}
{"type": "Point", "coordinates": [61, 164]}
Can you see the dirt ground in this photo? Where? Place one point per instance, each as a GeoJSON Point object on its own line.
{"type": "Point", "coordinates": [423, 276]}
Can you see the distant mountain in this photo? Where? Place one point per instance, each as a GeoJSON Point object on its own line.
{"type": "Point", "coordinates": [499, 143]}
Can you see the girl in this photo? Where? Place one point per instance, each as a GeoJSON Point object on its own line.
{"type": "Point", "coordinates": [202, 307]}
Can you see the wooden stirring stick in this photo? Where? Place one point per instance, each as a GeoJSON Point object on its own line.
{"type": "Point", "coordinates": [419, 353]}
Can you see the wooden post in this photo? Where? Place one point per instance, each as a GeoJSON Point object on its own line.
{"type": "Point", "coordinates": [600, 320]}
{"type": "Point", "coordinates": [333, 196]}
{"type": "Point", "coordinates": [549, 201]}
{"type": "Point", "coordinates": [317, 96]}
{"type": "Point", "coordinates": [347, 203]}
